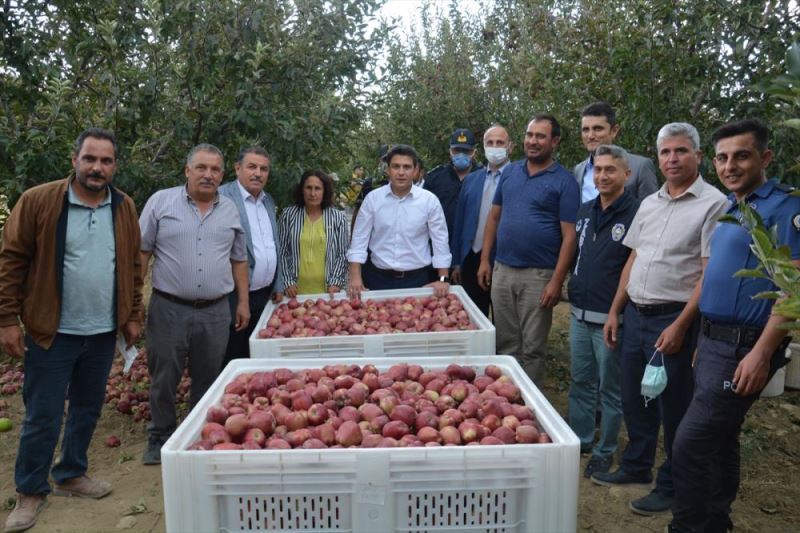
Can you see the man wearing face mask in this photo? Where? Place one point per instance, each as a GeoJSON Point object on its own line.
{"type": "Point", "coordinates": [472, 210]}
{"type": "Point", "coordinates": [445, 180]}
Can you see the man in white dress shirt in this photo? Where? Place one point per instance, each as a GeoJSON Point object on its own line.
{"type": "Point", "coordinates": [257, 213]}
{"type": "Point", "coordinates": [392, 233]}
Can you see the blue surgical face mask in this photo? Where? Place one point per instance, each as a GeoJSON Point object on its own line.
{"type": "Point", "coordinates": [654, 380]}
{"type": "Point", "coordinates": [461, 161]}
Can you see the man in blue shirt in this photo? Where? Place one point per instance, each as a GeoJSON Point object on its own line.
{"type": "Point", "coordinates": [601, 256]}
{"type": "Point", "coordinates": [532, 220]}
{"type": "Point", "coordinates": [739, 347]}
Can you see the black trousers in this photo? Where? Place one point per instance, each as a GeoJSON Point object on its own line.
{"type": "Point", "coordinates": [469, 280]}
{"type": "Point", "coordinates": [239, 341]}
{"type": "Point", "coordinates": [705, 454]}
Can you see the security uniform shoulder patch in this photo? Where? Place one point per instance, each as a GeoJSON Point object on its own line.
{"type": "Point", "coordinates": [617, 232]}
{"type": "Point", "coordinates": [796, 221]}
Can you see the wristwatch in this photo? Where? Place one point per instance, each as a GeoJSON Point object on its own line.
{"type": "Point", "coordinates": [444, 279]}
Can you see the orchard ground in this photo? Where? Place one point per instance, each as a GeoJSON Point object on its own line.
{"type": "Point", "coordinates": [768, 498]}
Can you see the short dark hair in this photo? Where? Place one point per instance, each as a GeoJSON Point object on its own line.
{"type": "Point", "coordinates": [356, 167]}
{"type": "Point", "coordinates": [402, 149]}
{"type": "Point", "coordinates": [327, 188]}
{"type": "Point", "coordinates": [740, 127]}
{"type": "Point", "coordinates": [600, 109]}
{"type": "Point", "coordinates": [254, 149]}
{"type": "Point", "coordinates": [96, 133]}
{"type": "Point", "coordinates": [554, 125]}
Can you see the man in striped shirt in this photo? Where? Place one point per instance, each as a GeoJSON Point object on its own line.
{"type": "Point", "coordinates": [196, 239]}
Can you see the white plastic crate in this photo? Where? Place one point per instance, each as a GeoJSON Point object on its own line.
{"type": "Point", "coordinates": [481, 340]}
{"type": "Point", "coordinates": [521, 488]}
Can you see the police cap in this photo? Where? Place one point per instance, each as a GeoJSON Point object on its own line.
{"type": "Point", "coordinates": [462, 138]}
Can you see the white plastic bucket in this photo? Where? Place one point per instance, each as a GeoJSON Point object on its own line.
{"type": "Point", "coordinates": [793, 367]}
{"type": "Point", "coordinates": [775, 385]}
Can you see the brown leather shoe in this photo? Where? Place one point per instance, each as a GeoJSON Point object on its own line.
{"type": "Point", "coordinates": [25, 512]}
{"type": "Point", "coordinates": [83, 487]}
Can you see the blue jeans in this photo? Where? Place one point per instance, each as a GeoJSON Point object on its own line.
{"type": "Point", "coordinates": [76, 368]}
{"type": "Point", "coordinates": [641, 333]}
{"type": "Point", "coordinates": [594, 364]}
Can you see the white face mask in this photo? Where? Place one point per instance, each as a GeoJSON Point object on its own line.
{"type": "Point", "coordinates": [495, 155]}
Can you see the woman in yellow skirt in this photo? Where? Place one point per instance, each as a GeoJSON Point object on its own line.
{"type": "Point", "coordinates": [314, 239]}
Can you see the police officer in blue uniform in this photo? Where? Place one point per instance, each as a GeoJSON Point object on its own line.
{"type": "Point", "coordinates": [445, 180]}
{"type": "Point", "coordinates": [740, 347]}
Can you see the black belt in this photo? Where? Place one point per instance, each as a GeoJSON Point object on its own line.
{"type": "Point", "coordinates": [398, 273]}
{"type": "Point", "coordinates": [659, 309]}
{"type": "Point", "coordinates": [737, 335]}
{"type": "Point", "coordinates": [197, 304]}
{"type": "Point", "coordinates": [262, 290]}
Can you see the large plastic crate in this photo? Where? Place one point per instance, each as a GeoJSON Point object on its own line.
{"type": "Point", "coordinates": [521, 488]}
{"type": "Point", "coordinates": [481, 340]}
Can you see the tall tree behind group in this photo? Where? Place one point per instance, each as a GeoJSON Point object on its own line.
{"type": "Point", "coordinates": [656, 61]}
{"type": "Point", "coordinates": [167, 75]}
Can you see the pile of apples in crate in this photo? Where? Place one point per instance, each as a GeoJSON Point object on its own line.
{"type": "Point", "coordinates": [342, 406]}
{"type": "Point", "coordinates": [321, 317]}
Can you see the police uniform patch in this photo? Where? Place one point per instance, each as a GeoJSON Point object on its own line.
{"type": "Point", "coordinates": [796, 221]}
{"type": "Point", "coordinates": [617, 232]}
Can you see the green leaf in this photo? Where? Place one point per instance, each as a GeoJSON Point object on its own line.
{"type": "Point", "coordinates": [792, 123]}
{"type": "Point", "coordinates": [750, 273]}
{"type": "Point", "coordinates": [729, 219]}
{"type": "Point", "coordinates": [767, 295]}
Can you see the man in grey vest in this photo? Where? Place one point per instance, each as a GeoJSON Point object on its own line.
{"type": "Point", "coordinates": [257, 214]}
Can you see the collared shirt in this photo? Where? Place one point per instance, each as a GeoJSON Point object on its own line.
{"type": "Point", "coordinates": [589, 191]}
{"type": "Point", "coordinates": [600, 256]}
{"type": "Point", "coordinates": [529, 232]}
{"type": "Point", "coordinates": [396, 231]}
{"type": "Point", "coordinates": [489, 189]}
{"type": "Point", "coordinates": [263, 239]}
{"type": "Point", "coordinates": [671, 236]}
{"type": "Point", "coordinates": [192, 251]}
{"type": "Point", "coordinates": [727, 299]}
{"type": "Point", "coordinates": [87, 305]}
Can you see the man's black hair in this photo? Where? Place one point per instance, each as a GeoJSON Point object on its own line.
{"type": "Point", "coordinates": [740, 127]}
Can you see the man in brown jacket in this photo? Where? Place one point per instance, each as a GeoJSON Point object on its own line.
{"type": "Point", "coordinates": [70, 272]}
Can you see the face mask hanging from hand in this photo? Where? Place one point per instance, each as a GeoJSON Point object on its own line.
{"type": "Point", "coordinates": [654, 380]}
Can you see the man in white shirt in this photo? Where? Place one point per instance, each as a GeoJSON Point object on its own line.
{"type": "Point", "coordinates": [392, 233]}
{"type": "Point", "coordinates": [474, 203]}
{"type": "Point", "coordinates": [257, 213]}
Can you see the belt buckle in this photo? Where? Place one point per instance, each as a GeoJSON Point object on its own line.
{"type": "Point", "coordinates": [738, 340]}
{"type": "Point", "coordinates": [399, 274]}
